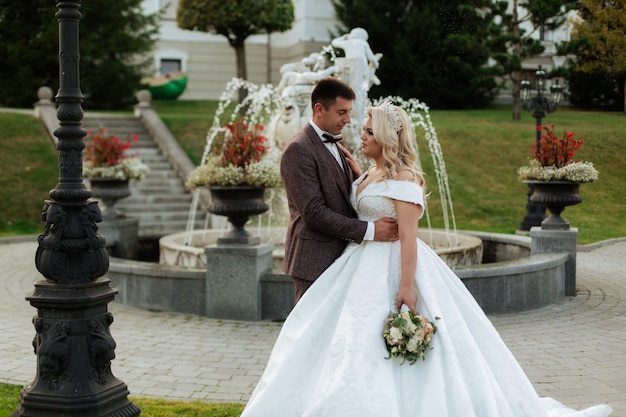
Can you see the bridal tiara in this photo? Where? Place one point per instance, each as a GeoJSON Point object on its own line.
{"type": "Point", "coordinates": [392, 116]}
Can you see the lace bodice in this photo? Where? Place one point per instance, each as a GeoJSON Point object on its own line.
{"type": "Point", "coordinates": [376, 200]}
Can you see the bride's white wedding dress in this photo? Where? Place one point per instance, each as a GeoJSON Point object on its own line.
{"type": "Point", "coordinates": [329, 359]}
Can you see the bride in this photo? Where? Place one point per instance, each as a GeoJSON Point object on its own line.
{"type": "Point", "coordinates": [330, 358]}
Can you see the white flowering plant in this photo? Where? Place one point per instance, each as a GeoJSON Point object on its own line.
{"type": "Point", "coordinates": [259, 174]}
{"type": "Point", "coordinates": [129, 168]}
{"type": "Point", "coordinates": [105, 157]}
{"type": "Point", "coordinates": [408, 335]}
{"type": "Point", "coordinates": [552, 159]}
{"type": "Point", "coordinates": [580, 171]}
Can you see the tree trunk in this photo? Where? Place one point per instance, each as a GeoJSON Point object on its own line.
{"type": "Point", "coordinates": [240, 51]}
{"type": "Point", "coordinates": [515, 87]}
{"type": "Point", "coordinates": [515, 76]}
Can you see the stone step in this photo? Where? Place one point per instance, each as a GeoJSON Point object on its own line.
{"type": "Point", "coordinates": [160, 201]}
{"type": "Point", "coordinates": [139, 205]}
{"type": "Point", "coordinates": [152, 182]}
{"type": "Point", "coordinates": [156, 216]}
{"type": "Point", "coordinates": [145, 190]}
{"type": "Point", "coordinates": [154, 159]}
{"type": "Point", "coordinates": [158, 198]}
{"type": "Point", "coordinates": [161, 173]}
{"type": "Point", "coordinates": [112, 123]}
{"type": "Point", "coordinates": [162, 228]}
{"type": "Point", "coordinates": [145, 152]}
{"type": "Point", "coordinates": [160, 166]}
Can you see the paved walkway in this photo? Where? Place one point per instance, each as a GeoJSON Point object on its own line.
{"type": "Point", "coordinates": [574, 351]}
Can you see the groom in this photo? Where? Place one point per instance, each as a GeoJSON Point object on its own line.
{"type": "Point", "coordinates": [318, 181]}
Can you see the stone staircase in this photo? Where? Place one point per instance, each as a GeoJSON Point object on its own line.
{"type": "Point", "coordinates": [160, 201]}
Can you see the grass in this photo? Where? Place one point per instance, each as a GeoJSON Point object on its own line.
{"type": "Point", "coordinates": [8, 398]}
{"type": "Point", "coordinates": [28, 171]}
{"type": "Point", "coordinates": [189, 121]}
{"type": "Point", "coordinates": [150, 407]}
{"type": "Point", "coordinates": [482, 150]}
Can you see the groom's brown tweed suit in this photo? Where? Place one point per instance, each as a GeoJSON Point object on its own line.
{"type": "Point", "coordinates": [322, 220]}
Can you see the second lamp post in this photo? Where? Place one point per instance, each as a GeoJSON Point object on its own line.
{"type": "Point", "coordinates": [540, 105]}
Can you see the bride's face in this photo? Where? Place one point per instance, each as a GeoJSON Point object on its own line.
{"type": "Point", "coordinates": [369, 146]}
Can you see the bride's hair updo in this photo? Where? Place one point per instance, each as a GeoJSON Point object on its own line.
{"type": "Point", "coordinates": [393, 131]}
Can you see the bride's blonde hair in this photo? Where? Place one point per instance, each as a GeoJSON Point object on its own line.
{"type": "Point", "coordinates": [393, 131]}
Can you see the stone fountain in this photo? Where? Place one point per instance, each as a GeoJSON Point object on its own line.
{"type": "Point", "coordinates": [196, 275]}
{"type": "Point", "coordinates": [285, 109]}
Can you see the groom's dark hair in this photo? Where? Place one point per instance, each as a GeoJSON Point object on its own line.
{"type": "Point", "coordinates": [328, 89]}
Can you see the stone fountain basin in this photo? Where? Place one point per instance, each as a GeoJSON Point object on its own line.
{"type": "Point", "coordinates": [187, 249]}
{"type": "Point", "coordinates": [504, 279]}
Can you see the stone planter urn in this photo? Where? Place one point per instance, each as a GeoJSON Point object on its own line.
{"type": "Point", "coordinates": [109, 191]}
{"type": "Point", "coordinates": [555, 196]}
{"type": "Point", "coordinates": [238, 203]}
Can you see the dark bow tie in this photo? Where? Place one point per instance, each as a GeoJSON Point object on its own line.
{"type": "Point", "coordinates": [328, 138]}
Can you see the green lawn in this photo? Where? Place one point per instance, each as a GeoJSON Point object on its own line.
{"type": "Point", "coordinates": [149, 407]}
{"type": "Point", "coordinates": [482, 150]}
{"type": "Point", "coordinates": [28, 171]}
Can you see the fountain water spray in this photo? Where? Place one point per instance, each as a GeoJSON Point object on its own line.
{"type": "Point", "coordinates": [285, 109]}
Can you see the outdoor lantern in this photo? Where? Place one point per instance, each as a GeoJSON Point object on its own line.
{"type": "Point", "coordinates": [525, 91]}
{"type": "Point", "coordinates": [540, 76]}
{"type": "Point", "coordinates": [556, 91]}
{"type": "Point", "coordinates": [540, 105]}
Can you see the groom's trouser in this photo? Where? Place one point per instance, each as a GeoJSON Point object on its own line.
{"type": "Point", "coordinates": [300, 286]}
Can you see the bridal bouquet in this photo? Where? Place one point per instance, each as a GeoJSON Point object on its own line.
{"type": "Point", "coordinates": [408, 335]}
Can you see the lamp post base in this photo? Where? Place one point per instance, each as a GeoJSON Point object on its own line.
{"type": "Point", "coordinates": [74, 350]}
{"type": "Point", "coordinates": [535, 213]}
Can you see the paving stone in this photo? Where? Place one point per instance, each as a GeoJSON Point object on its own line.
{"type": "Point", "coordinates": [573, 351]}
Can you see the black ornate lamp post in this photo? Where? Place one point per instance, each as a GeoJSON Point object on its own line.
{"type": "Point", "coordinates": [540, 105]}
{"type": "Point", "coordinates": [73, 344]}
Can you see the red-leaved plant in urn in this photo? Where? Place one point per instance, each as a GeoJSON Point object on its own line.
{"type": "Point", "coordinates": [106, 150]}
{"type": "Point", "coordinates": [555, 150]}
{"type": "Point", "coordinates": [236, 155]}
{"type": "Point", "coordinates": [105, 157]}
{"type": "Point", "coordinates": [552, 159]}
{"type": "Point", "coordinates": [243, 146]}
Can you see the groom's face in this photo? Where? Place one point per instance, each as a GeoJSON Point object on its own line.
{"type": "Point", "coordinates": [336, 116]}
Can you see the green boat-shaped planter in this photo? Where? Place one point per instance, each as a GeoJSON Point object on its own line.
{"type": "Point", "coordinates": [166, 87]}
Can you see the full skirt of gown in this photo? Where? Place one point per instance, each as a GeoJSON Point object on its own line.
{"type": "Point", "coordinates": [330, 357]}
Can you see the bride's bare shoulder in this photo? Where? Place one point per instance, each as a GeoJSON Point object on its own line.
{"type": "Point", "coordinates": [407, 175]}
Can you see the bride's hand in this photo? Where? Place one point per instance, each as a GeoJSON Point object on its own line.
{"type": "Point", "coordinates": [407, 296]}
{"type": "Point", "coordinates": [354, 166]}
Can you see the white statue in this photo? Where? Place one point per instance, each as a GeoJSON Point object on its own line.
{"type": "Point", "coordinates": [358, 68]}
{"type": "Point", "coordinates": [295, 88]}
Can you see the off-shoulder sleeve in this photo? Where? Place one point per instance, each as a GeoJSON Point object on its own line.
{"type": "Point", "coordinates": [408, 191]}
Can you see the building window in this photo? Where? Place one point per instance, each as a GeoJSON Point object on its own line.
{"type": "Point", "coordinates": [169, 7]}
{"type": "Point", "coordinates": [170, 65]}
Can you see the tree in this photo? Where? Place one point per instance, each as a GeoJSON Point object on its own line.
{"type": "Point", "coordinates": [236, 20]}
{"type": "Point", "coordinates": [115, 45]}
{"type": "Point", "coordinates": [28, 50]}
{"type": "Point", "coordinates": [510, 44]}
{"type": "Point", "coordinates": [599, 38]}
{"type": "Point", "coordinates": [432, 50]}
{"type": "Point", "coordinates": [113, 39]}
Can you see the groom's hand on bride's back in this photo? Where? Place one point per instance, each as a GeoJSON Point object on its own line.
{"type": "Point", "coordinates": [386, 230]}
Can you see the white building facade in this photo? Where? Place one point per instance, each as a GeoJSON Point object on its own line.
{"type": "Point", "coordinates": [209, 61]}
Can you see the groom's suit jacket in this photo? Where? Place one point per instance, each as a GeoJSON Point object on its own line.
{"type": "Point", "coordinates": [322, 221]}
